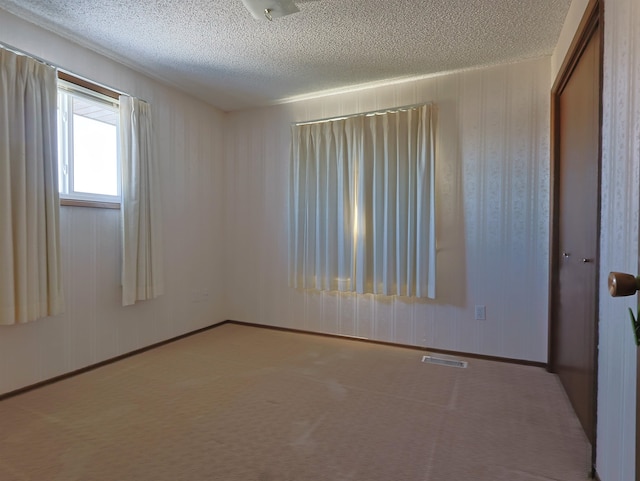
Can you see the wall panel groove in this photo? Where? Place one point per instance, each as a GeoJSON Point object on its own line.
{"type": "Point", "coordinates": [619, 238]}
{"type": "Point", "coordinates": [492, 178]}
{"type": "Point", "coordinates": [95, 327]}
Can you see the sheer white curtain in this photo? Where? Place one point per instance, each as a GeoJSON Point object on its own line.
{"type": "Point", "coordinates": [30, 264]}
{"type": "Point", "coordinates": [362, 204]}
{"type": "Point", "coordinates": [322, 194]}
{"type": "Point", "coordinates": [142, 250]}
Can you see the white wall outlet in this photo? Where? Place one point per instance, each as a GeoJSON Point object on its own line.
{"type": "Point", "coordinates": [481, 313]}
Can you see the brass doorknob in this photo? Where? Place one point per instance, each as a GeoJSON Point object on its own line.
{"type": "Point", "coordinates": [621, 284]}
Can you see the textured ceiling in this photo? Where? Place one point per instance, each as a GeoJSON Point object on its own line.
{"type": "Point", "coordinates": [216, 50]}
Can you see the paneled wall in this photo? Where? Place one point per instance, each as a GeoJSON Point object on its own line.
{"type": "Point", "coordinates": [95, 327]}
{"type": "Point", "coordinates": [492, 217]}
{"type": "Point", "coordinates": [619, 244]}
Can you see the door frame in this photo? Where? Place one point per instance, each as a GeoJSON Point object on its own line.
{"type": "Point", "coordinates": [592, 18]}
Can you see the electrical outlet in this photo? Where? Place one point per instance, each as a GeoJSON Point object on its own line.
{"type": "Point", "coordinates": [481, 313]}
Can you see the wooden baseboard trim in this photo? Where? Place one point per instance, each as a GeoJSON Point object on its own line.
{"type": "Point", "coordinates": [97, 365]}
{"type": "Point", "coordinates": [394, 344]}
{"type": "Point", "coordinates": [91, 367]}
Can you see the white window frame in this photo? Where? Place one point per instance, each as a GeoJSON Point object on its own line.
{"type": "Point", "coordinates": [66, 91]}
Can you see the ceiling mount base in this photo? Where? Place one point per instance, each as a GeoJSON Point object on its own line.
{"type": "Point", "coordinates": [270, 9]}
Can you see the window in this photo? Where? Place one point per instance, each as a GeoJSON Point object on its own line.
{"type": "Point", "coordinates": [88, 157]}
{"type": "Point", "coordinates": [362, 204]}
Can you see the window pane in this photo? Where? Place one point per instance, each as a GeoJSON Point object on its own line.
{"type": "Point", "coordinates": [95, 166]}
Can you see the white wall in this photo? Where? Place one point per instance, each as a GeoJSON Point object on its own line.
{"type": "Point", "coordinates": [95, 327]}
{"type": "Point", "coordinates": [493, 191]}
{"type": "Point", "coordinates": [619, 238]}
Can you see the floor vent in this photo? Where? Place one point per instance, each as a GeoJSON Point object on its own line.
{"type": "Point", "coordinates": [444, 361]}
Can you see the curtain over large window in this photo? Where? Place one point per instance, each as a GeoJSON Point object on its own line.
{"type": "Point", "coordinates": [30, 264]}
{"type": "Point", "coordinates": [362, 204]}
{"type": "Point", "coordinates": [142, 249]}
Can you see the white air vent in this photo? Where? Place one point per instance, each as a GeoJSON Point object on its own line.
{"type": "Point", "coordinates": [451, 362]}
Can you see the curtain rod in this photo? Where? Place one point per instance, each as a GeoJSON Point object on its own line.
{"type": "Point", "coordinates": [364, 114]}
{"type": "Point", "coordinates": [19, 51]}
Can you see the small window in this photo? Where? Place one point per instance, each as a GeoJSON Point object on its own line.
{"type": "Point", "coordinates": [88, 158]}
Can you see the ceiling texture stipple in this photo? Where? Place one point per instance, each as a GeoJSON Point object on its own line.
{"type": "Point", "coordinates": [217, 51]}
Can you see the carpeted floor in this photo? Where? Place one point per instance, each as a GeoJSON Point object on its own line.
{"type": "Point", "coordinates": [251, 404]}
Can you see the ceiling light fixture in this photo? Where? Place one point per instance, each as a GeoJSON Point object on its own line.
{"type": "Point", "coordinates": [270, 9]}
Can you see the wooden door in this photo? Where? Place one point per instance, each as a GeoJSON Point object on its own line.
{"type": "Point", "coordinates": [576, 114]}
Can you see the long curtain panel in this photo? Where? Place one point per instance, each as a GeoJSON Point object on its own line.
{"type": "Point", "coordinates": [30, 259]}
{"type": "Point", "coordinates": [362, 204]}
{"type": "Point", "coordinates": [322, 194]}
{"type": "Point", "coordinates": [142, 247]}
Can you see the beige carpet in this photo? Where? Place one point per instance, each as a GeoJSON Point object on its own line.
{"type": "Point", "coordinates": [251, 404]}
